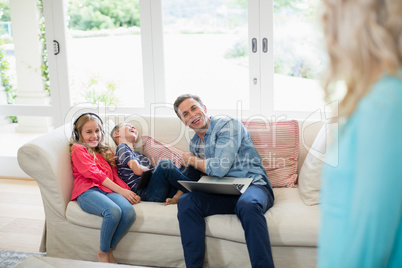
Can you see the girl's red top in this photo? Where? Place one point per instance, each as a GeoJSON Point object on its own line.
{"type": "Point", "coordinates": [90, 172]}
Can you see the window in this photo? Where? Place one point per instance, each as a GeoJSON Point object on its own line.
{"type": "Point", "coordinates": [299, 56]}
{"type": "Point", "coordinates": [243, 57]}
{"type": "Point", "coordinates": [226, 51]}
{"type": "Point", "coordinates": [104, 52]}
{"type": "Point", "coordinates": [206, 51]}
{"type": "Point", "coordinates": [259, 56]}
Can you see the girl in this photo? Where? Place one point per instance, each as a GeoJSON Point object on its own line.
{"type": "Point", "coordinates": [97, 187]}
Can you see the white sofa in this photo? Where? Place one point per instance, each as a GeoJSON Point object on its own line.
{"type": "Point", "coordinates": [154, 238]}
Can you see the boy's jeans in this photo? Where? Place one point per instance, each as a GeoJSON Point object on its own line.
{"type": "Point", "coordinates": [163, 183]}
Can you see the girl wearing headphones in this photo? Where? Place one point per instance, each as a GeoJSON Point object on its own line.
{"type": "Point", "coordinates": [97, 187]}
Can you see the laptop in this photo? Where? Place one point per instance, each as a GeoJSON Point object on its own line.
{"type": "Point", "coordinates": [215, 185]}
{"type": "Point", "coordinates": [145, 178]}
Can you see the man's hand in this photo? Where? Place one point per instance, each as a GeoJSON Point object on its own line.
{"type": "Point", "coordinates": [186, 159]}
{"type": "Point", "coordinates": [189, 159]}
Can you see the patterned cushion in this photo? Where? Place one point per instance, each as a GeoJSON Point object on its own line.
{"type": "Point", "coordinates": [156, 151]}
{"type": "Point", "coordinates": [278, 145]}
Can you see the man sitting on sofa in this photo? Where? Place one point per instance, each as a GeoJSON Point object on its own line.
{"type": "Point", "coordinates": [223, 147]}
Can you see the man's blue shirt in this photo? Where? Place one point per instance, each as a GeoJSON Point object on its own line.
{"type": "Point", "coordinates": [229, 151]}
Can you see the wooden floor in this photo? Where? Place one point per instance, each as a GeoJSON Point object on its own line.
{"type": "Point", "coordinates": [22, 216]}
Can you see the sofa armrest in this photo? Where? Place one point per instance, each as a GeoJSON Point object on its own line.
{"type": "Point", "coordinates": [47, 160]}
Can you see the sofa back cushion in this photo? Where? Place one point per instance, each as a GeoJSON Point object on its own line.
{"type": "Point", "coordinates": [310, 172]}
{"type": "Point", "coordinates": [278, 145]}
{"type": "Point", "coordinates": [276, 142]}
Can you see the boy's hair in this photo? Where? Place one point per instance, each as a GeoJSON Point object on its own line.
{"type": "Point", "coordinates": [114, 130]}
{"type": "Point", "coordinates": [182, 98]}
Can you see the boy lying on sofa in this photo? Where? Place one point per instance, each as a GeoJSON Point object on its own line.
{"type": "Point", "coordinates": [131, 164]}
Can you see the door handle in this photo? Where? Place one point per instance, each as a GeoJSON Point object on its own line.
{"type": "Point", "coordinates": [265, 45]}
{"type": "Point", "coordinates": [254, 45]}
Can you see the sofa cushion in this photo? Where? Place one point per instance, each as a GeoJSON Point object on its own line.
{"type": "Point", "coordinates": [155, 151]}
{"type": "Point", "coordinates": [151, 217]}
{"type": "Point", "coordinates": [310, 172]}
{"type": "Point", "coordinates": [288, 209]}
{"type": "Point", "coordinates": [278, 145]}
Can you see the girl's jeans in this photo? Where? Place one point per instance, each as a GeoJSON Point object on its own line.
{"type": "Point", "coordinates": [118, 214]}
{"type": "Point", "coordinates": [163, 183]}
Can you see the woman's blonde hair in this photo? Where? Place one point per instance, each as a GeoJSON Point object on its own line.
{"type": "Point", "coordinates": [364, 40]}
{"type": "Point", "coordinates": [102, 149]}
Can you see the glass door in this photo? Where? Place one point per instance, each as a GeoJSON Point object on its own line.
{"type": "Point", "coordinates": [207, 51]}
{"type": "Point", "coordinates": [299, 55]}
{"type": "Point", "coordinates": [104, 52]}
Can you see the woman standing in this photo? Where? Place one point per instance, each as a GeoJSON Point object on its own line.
{"type": "Point", "coordinates": [362, 196]}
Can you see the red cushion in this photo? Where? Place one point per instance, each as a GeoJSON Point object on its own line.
{"type": "Point", "coordinates": [278, 145]}
{"type": "Point", "coordinates": [155, 151]}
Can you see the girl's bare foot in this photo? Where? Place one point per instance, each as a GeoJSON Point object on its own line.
{"type": "Point", "coordinates": [102, 256]}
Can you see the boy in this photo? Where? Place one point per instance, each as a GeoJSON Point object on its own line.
{"type": "Point", "coordinates": [163, 185]}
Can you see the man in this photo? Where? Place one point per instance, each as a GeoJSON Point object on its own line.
{"type": "Point", "coordinates": [222, 147]}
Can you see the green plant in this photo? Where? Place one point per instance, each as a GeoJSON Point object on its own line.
{"type": "Point", "coordinates": [42, 39]}
{"type": "Point", "coordinates": [238, 50]}
{"type": "Point", "coordinates": [4, 10]}
{"type": "Point", "coordinates": [4, 65]}
{"type": "Point", "coordinates": [5, 80]}
{"type": "Point", "coordinates": [103, 14]}
{"type": "Point", "coordinates": [100, 92]}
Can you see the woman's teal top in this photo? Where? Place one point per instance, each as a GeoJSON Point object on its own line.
{"type": "Point", "coordinates": [361, 197]}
